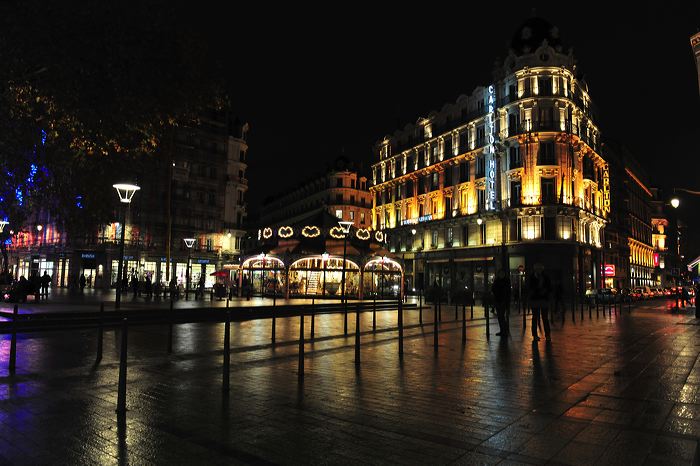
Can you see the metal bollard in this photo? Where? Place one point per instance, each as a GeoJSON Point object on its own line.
{"type": "Point", "coordinates": [121, 392]}
{"type": "Point", "coordinates": [100, 333]}
{"type": "Point", "coordinates": [374, 314]}
{"type": "Point", "coordinates": [439, 310]}
{"type": "Point", "coordinates": [357, 335]}
{"type": "Point", "coordinates": [274, 327]}
{"type": "Point", "coordinates": [436, 328]}
{"type": "Point", "coordinates": [13, 341]}
{"type": "Point", "coordinates": [471, 310]}
{"type": "Point", "coordinates": [456, 312]}
{"type": "Point", "coordinates": [524, 318]}
{"type": "Point", "coordinates": [170, 327]}
{"type": "Point", "coordinates": [581, 315]}
{"type": "Point", "coordinates": [420, 307]}
{"type": "Point", "coordinates": [400, 324]}
{"type": "Point", "coordinates": [464, 323]}
{"type": "Point", "coordinates": [227, 353]}
{"type": "Point", "coordinates": [313, 317]}
{"type": "Point", "coordinates": [488, 319]}
{"type": "Point", "coordinates": [300, 372]}
{"type": "Point", "coordinates": [345, 320]}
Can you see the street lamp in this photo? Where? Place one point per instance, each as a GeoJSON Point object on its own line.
{"type": "Point", "coordinates": [675, 202]}
{"type": "Point", "coordinates": [126, 193]}
{"type": "Point", "coordinates": [325, 257]}
{"type": "Point", "coordinates": [345, 226]}
{"type": "Point", "coordinates": [189, 242]}
{"type": "Point", "coordinates": [262, 276]}
{"type": "Point", "coordinates": [3, 223]}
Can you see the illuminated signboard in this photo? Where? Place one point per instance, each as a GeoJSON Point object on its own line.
{"type": "Point", "coordinates": [409, 221]}
{"type": "Point", "coordinates": [656, 259]}
{"type": "Point", "coordinates": [606, 189]}
{"type": "Point", "coordinates": [87, 255]}
{"type": "Point", "coordinates": [609, 270]}
{"type": "Point", "coordinates": [425, 218]}
{"type": "Point", "coordinates": [490, 151]}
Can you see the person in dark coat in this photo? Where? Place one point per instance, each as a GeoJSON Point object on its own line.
{"type": "Point", "coordinates": [45, 282]}
{"type": "Point", "coordinates": [539, 294]}
{"type": "Point", "coordinates": [82, 283]}
{"type": "Point", "coordinates": [501, 296]}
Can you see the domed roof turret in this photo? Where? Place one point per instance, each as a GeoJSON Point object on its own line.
{"type": "Point", "coordinates": [532, 33]}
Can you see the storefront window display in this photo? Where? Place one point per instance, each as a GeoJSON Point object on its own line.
{"type": "Point", "coordinates": [322, 276]}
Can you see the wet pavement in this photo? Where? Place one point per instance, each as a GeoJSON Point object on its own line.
{"type": "Point", "coordinates": [620, 389]}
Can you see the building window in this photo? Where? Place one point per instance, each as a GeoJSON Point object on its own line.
{"type": "Point", "coordinates": [352, 183]}
{"type": "Point", "coordinates": [546, 155]}
{"type": "Point", "coordinates": [242, 155]}
{"type": "Point", "coordinates": [448, 207]}
{"type": "Point", "coordinates": [352, 199]}
{"type": "Point", "coordinates": [435, 181]}
{"type": "Point", "coordinates": [481, 199]}
{"type": "Point", "coordinates": [450, 235]}
{"type": "Point", "coordinates": [480, 166]}
{"type": "Point", "coordinates": [463, 142]}
{"type": "Point", "coordinates": [480, 136]}
{"type": "Point", "coordinates": [339, 198]}
{"type": "Point", "coordinates": [463, 172]}
{"type": "Point", "coordinates": [515, 193]}
{"type": "Point", "coordinates": [397, 215]}
{"type": "Point", "coordinates": [565, 228]}
{"type": "Point", "coordinates": [362, 218]}
{"type": "Point", "coordinates": [515, 160]}
{"type": "Point", "coordinates": [352, 215]}
{"type": "Point", "coordinates": [434, 238]}
{"type": "Point", "coordinates": [448, 176]}
{"type": "Point", "coordinates": [447, 147]}
{"type": "Point", "coordinates": [339, 182]}
{"type": "Point", "coordinates": [547, 190]}
{"type": "Point", "coordinates": [531, 227]}
{"type": "Point", "coordinates": [339, 213]}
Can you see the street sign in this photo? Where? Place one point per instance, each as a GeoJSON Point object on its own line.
{"type": "Point", "coordinates": [609, 270]}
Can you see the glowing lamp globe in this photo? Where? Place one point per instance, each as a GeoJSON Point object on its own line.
{"type": "Point", "coordinates": [189, 242]}
{"type": "Point", "coordinates": [675, 202]}
{"type": "Point", "coordinates": [345, 225]}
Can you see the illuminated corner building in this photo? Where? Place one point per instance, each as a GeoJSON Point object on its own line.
{"type": "Point", "coordinates": [628, 255]}
{"type": "Point", "coordinates": [204, 181]}
{"type": "Point", "coordinates": [695, 44]}
{"type": "Point", "coordinates": [506, 177]}
{"type": "Point", "coordinates": [666, 240]}
{"type": "Point", "coordinates": [341, 191]}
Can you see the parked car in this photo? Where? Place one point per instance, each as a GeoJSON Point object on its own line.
{"type": "Point", "coordinates": [606, 295]}
{"type": "Point", "coordinates": [644, 293]}
{"type": "Point", "coordinates": [626, 295]}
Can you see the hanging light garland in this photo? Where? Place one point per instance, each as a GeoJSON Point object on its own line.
{"type": "Point", "coordinates": [310, 231]}
{"type": "Point", "coordinates": [379, 236]}
{"type": "Point", "coordinates": [363, 234]}
{"type": "Point", "coordinates": [285, 232]}
{"type": "Point", "coordinates": [267, 232]}
{"type": "Point", "coordinates": [337, 233]}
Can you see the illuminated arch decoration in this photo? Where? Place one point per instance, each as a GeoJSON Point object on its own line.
{"type": "Point", "coordinates": [285, 232]}
{"type": "Point", "coordinates": [310, 231]}
{"type": "Point", "coordinates": [267, 233]}
{"type": "Point", "coordinates": [363, 234]}
{"type": "Point", "coordinates": [337, 233]}
{"type": "Point", "coordinates": [383, 263]}
{"type": "Point", "coordinates": [315, 263]}
{"type": "Point", "coordinates": [256, 262]}
{"type": "Point", "coordinates": [379, 236]}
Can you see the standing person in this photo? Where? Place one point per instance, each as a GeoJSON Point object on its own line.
{"type": "Point", "coordinates": [501, 296]}
{"type": "Point", "coordinates": [200, 288]}
{"type": "Point", "coordinates": [82, 283]}
{"type": "Point", "coordinates": [45, 282]}
{"type": "Point", "coordinates": [539, 292]}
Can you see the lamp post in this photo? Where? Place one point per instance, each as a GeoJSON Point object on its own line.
{"type": "Point", "coordinates": [262, 276]}
{"type": "Point", "coordinates": [126, 192]}
{"type": "Point", "coordinates": [345, 226]}
{"type": "Point", "coordinates": [189, 242]}
{"type": "Point", "coordinates": [3, 224]}
{"type": "Point", "coordinates": [325, 257]}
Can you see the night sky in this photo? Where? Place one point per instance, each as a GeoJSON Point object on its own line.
{"type": "Point", "coordinates": [313, 89]}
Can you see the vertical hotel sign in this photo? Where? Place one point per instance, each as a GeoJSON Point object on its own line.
{"type": "Point", "coordinates": [490, 150]}
{"type": "Point", "coordinates": [606, 188]}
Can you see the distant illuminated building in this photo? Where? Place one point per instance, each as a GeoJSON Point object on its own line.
{"type": "Point", "coordinates": [506, 177]}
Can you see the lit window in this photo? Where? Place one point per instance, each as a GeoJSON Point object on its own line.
{"type": "Point", "coordinates": [352, 215]}
{"type": "Point", "coordinates": [339, 213]}
{"type": "Point", "coordinates": [531, 227]}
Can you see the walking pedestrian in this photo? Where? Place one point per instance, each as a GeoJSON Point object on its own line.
{"type": "Point", "coordinates": [45, 282]}
{"type": "Point", "coordinates": [539, 292]}
{"type": "Point", "coordinates": [501, 296]}
{"type": "Point", "coordinates": [82, 283]}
